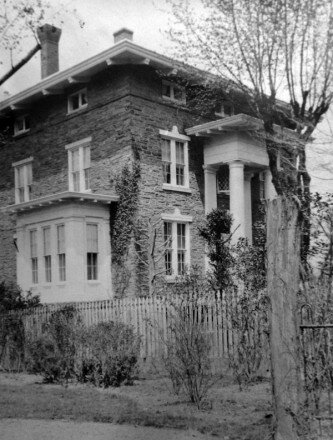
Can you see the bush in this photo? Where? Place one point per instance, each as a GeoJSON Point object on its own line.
{"type": "Point", "coordinates": [53, 354]}
{"type": "Point", "coordinates": [109, 355]}
{"type": "Point", "coordinates": [187, 359]}
{"type": "Point", "coordinates": [13, 305]}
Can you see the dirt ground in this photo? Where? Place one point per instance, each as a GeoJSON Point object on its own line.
{"type": "Point", "coordinates": [229, 414]}
{"type": "Point", "coordinates": [23, 429]}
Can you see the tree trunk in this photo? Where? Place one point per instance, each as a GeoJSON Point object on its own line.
{"type": "Point", "coordinates": [283, 253]}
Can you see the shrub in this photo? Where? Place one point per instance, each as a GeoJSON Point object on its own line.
{"type": "Point", "coordinates": [53, 354]}
{"type": "Point", "coordinates": [187, 359]}
{"type": "Point", "coordinates": [109, 355]}
{"type": "Point", "coordinates": [13, 305]}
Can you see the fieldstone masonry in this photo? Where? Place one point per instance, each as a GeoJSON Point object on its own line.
{"type": "Point", "coordinates": [124, 115]}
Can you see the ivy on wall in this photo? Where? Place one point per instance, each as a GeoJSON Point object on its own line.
{"type": "Point", "coordinates": [122, 217]}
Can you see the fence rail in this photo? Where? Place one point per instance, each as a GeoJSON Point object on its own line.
{"type": "Point", "coordinates": [150, 317]}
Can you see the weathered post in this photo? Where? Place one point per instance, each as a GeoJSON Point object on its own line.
{"type": "Point", "coordinates": [283, 253]}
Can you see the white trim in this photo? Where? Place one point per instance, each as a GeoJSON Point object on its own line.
{"type": "Point", "coordinates": [18, 132]}
{"type": "Point", "coordinates": [79, 143]}
{"type": "Point", "coordinates": [23, 162]}
{"type": "Point", "coordinates": [177, 217]}
{"type": "Point", "coordinates": [81, 106]}
{"type": "Point", "coordinates": [170, 187]}
{"type": "Point", "coordinates": [174, 135]}
{"type": "Point", "coordinates": [26, 165]}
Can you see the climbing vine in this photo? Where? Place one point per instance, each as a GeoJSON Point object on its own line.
{"type": "Point", "coordinates": [122, 217]}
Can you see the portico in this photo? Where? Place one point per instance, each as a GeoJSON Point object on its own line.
{"type": "Point", "coordinates": [233, 156]}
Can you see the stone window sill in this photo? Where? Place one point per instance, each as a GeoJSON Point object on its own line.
{"type": "Point", "coordinates": [183, 189]}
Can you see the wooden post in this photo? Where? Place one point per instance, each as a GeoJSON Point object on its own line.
{"type": "Point", "coordinates": [283, 254]}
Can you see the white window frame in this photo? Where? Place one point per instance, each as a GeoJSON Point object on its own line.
{"type": "Point", "coordinates": [26, 164]}
{"type": "Point", "coordinates": [81, 106]}
{"type": "Point", "coordinates": [33, 253]}
{"type": "Point", "coordinates": [172, 97]}
{"type": "Point", "coordinates": [78, 145]}
{"type": "Point", "coordinates": [25, 129]}
{"type": "Point", "coordinates": [47, 253]}
{"type": "Point", "coordinates": [174, 136]}
{"type": "Point", "coordinates": [94, 252]}
{"type": "Point", "coordinates": [61, 253]}
{"type": "Point", "coordinates": [176, 219]}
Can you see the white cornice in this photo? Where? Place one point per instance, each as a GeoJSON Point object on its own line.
{"type": "Point", "coordinates": [124, 52]}
{"type": "Point", "coordinates": [66, 196]}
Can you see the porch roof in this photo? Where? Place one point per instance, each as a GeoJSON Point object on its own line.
{"type": "Point", "coordinates": [56, 199]}
{"type": "Point", "coordinates": [239, 122]}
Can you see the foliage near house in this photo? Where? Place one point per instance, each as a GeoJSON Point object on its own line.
{"type": "Point", "coordinates": [105, 354]}
{"type": "Point", "coordinates": [13, 303]}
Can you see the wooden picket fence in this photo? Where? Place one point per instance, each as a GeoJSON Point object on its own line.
{"type": "Point", "coordinates": [150, 318]}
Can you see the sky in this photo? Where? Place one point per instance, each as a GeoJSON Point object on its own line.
{"type": "Point", "coordinates": [150, 21]}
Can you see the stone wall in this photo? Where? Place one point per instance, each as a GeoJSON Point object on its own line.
{"type": "Point", "coordinates": [124, 115]}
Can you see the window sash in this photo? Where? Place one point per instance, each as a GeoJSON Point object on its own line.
{"type": "Point", "coordinates": [79, 166]}
{"type": "Point", "coordinates": [175, 162]}
{"type": "Point", "coordinates": [23, 182]}
{"type": "Point", "coordinates": [34, 270]}
{"type": "Point", "coordinates": [61, 239]}
{"type": "Point", "coordinates": [47, 241]}
{"type": "Point", "coordinates": [48, 268]}
{"type": "Point", "coordinates": [176, 247]}
{"type": "Point", "coordinates": [92, 266]}
{"type": "Point", "coordinates": [92, 238]}
{"type": "Point", "coordinates": [33, 244]}
{"type": "Point", "coordinates": [62, 266]}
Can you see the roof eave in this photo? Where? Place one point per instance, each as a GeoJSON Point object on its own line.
{"type": "Point", "coordinates": [54, 199]}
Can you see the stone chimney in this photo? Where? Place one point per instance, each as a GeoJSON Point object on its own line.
{"type": "Point", "coordinates": [123, 34]}
{"type": "Point", "coordinates": [49, 37]}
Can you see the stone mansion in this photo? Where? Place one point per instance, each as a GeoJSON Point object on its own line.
{"type": "Point", "coordinates": [71, 134]}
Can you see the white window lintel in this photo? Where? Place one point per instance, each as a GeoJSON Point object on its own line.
{"type": "Point", "coordinates": [23, 162]}
{"type": "Point", "coordinates": [174, 135]}
{"type": "Point", "coordinates": [177, 217]}
{"type": "Point", "coordinates": [77, 144]}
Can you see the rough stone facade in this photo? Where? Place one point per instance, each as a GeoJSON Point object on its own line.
{"type": "Point", "coordinates": [124, 115]}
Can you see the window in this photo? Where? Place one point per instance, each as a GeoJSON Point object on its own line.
{"type": "Point", "coordinates": [21, 125]}
{"type": "Point", "coordinates": [33, 256]}
{"type": "Point", "coordinates": [77, 101]}
{"type": "Point", "coordinates": [61, 252]}
{"type": "Point", "coordinates": [92, 251]}
{"type": "Point", "coordinates": [47, 253]}
{"type": "Point", "coordinates": [23, 180]}
{"type": "Point", "coordinates": [173, 92]}
{"type": "Point", "coordinates": [176, 243]}
{"type": "Point", "coordinates": [176, 248]}
{"type": "Point", "coordinates": [174, 160]}
{"type": "Point", "coordinates": [223, 180]}
{"type": "Point", "coordinates": [225, 108]}
{"type": "Point", "coordinates": [79, 165]}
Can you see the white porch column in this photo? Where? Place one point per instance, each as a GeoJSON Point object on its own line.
{"type": "Point", "coordinates": [210, 188]}
{"type": "Point", "coordinates": [270, 192]}
{"type": "Point", "coordinates": [237, 199]}
{"type": "Point", "coordinates": [248, 206]}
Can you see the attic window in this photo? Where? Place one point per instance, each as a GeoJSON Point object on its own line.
{"type": "Point", "coordinates": [173, 92]}
{"type": "Point", "coordinates": [21, 125]}
{"type": "Point", "coordinates": [225, 108]}
{"type": "Point", "coordinates": [77, 101]}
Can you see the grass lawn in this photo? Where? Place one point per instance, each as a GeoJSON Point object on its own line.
{"type": "Point", "coordinates": [231, 414]}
